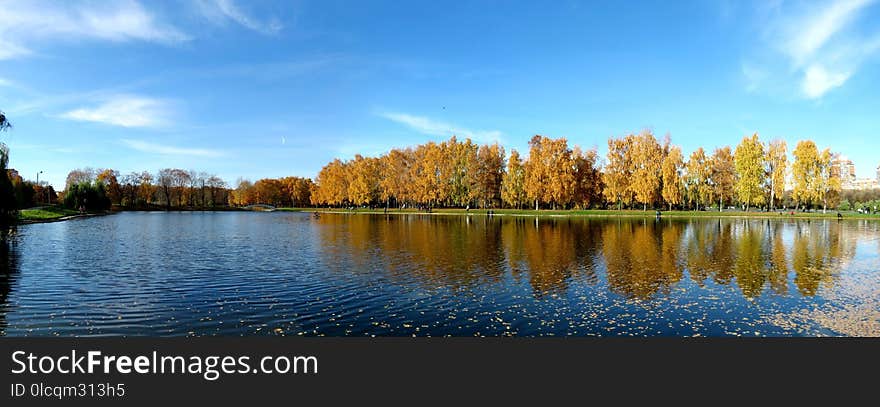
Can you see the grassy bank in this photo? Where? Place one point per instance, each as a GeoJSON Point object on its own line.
{"type": "Point", "coordinates": [605, 213]}
{"type": "Point", "coordinates": [45, 213]}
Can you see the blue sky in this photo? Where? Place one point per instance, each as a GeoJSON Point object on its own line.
{"type": "Point", "coordinates": [269, 89]}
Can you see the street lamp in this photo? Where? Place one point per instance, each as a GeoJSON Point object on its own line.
{"type": "Point", "coordinates": [38, 178]}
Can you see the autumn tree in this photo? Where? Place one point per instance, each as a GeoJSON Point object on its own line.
{"type": "Point", "coordinates": [587, 177]}
{"type": "Point", "coordinates": [775, 162]}
{"type": "Point", "coordinates": [109, 178]}
{"type": "Point", "coordinates": [363, 185]}
{"type": "Point", "coordinates": [671, 169]}
{"type": "Point", "coordinates": [828, 185]}
{"type": "Point", "coordinates": [513, 184]}
{"type": "Point", "coordinates": [395, 172]}
{"type": "Point", "coordinates": [181, 179]}
{"type": "Point", "coordinates": [459, 171]}
{"type": "Point", "coordinates": [698, 178]}
{"type": "Point", "coordinates": [488, 171]}
{"type": "Point", "coordinates": [646, 154]}
{"type": "Point", "coordinates": [80, 176]}
{"type": "Point", "coordinates": [165, 179]}
{"type": "Point", "coordinates": [618, 171]}
{"type": "Point", "coordinates": [549, 173]}
{"type": "Point", "coordinates": [429, 177]}
{"type": "Point", "coordinates": [243, 194]}
{"type": "Point", "coordinates": [331, 184]}
{"type": "Point", "coordinates": [215, 184]}
{"type": "Point", "coordinates": [723, 175]}
{"type": "Point", "coordinates": [805, 173]}
{"type": "Point", "coordinates": [145, 187]}
{"type": "Point", "coordinates": [749, 160]}
{"type": "Point", "coordinates": [267, 191]}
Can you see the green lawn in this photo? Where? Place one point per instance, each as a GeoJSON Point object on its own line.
{"type": "Point", "coordinates": [45, 213]}
{"type": "Point", "coordinates": [831, 214]}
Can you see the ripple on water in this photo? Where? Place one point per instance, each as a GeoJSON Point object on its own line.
{"type": "Point", "coordinates": [278, 273]}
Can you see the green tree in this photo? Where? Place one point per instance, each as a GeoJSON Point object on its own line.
{"type": "Point", "coordinates": [8, 208]}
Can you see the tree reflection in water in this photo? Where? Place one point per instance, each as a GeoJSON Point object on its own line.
{"type": "Point", "coordinates": [8, 273]}
{"type": "Point", "coordinates": [641, 258]}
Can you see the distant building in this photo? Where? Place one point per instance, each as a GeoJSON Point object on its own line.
{"type": "Point", "coordinates": [878, 173]}
{"type": "Point", "coordinates": [861, 184]}
{"type": "Point", "coordinates": [845, 167]}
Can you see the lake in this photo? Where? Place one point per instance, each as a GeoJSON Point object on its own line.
{"type": "Point", "coordinates": [285, 273]}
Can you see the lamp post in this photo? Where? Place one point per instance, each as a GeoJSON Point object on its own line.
{"type": "Point", "coordinates": [38, 178]}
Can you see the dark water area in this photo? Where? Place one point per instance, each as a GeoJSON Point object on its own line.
{"type": "Point", "coordinates": [275, 273]}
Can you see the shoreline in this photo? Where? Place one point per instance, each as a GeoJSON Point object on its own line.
{"type": "Point", "coordinates": [61, 218]}
{"type": "Point", "coordinates": [599, 214]}
{"type": "Point", "coordinates": [508, 213]}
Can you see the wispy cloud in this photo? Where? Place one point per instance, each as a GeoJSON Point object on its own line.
{"type": "Point", "coordinates": [807, 35]}
{"type": "Point", "coordinates": [432, 127]}
{"type": "Point", "coordinates": [125, 111]}
{"type": "Point", "coordinates": [817, 81]}
{"type": "Point", "coordinates": [223, 11]}
{"type": "Point", "coordinates": [26, 22]}
{"type": "Point", "coordinates": [153, 148]}
{"type": "Point", "coordinates": [824, 45]}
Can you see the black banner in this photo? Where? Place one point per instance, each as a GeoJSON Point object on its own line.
{"type": "Point", "coordinates": [459, 371]}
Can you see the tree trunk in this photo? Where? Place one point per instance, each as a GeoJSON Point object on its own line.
{"type": "Point", "coordinates": [772, 197]}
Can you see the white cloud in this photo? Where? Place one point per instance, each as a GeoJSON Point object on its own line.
{"type": "Point", "coordinates": [27, 22]}
{"type": "Point", "coordinates": [817, 81]}
{"type": "Point", "coordinates": [221, 11]}
{"type": "Point", "coordinates": [154, 148]}
{"type": "Point", "coordinates": [9, 50]}
{"type": "Point", "coordinates": [823, 43]}
{"type": "Point", "coordinates": [809, 34]}
{"type": "Point", "coordinates": [125, 111]}
{"type": "Point", "coordinates": [428, 126]}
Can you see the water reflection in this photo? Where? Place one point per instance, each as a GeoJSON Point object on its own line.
{"type": "Point", "coordinates": [641, 258]}
{"type": "Point", "coordinates": [398, 275]}
{"type": "Point", "coordinates": [8, 273]}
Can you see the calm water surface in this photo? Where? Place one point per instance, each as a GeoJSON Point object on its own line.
{"type": "Point", "coordinates": [242, 273]}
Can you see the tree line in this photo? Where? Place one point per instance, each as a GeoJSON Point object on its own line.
{"type": "Point", "coordinates": [99, 189]}
{"type": "Point", "coordinates": [169, 187]}
{"type": "Point", "coordinates": [638, 172]}
{"type": "Point", "coordinates": [286, 192]}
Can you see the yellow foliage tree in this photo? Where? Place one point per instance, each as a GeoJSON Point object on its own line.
{"type": "Point", "coordinates": [723, 175]}
{"type": "Point", "coordinates": [671, 176]}
{"type": "Point", "coordinates": [805, 173]}
{"type": "Point", "coordinates": [775, 162]}
{"type": "Point", "coordinates": [618, 171]}
{"type": "Point", "coordinates": [749, 160]}
{"type": "Point", "coordinates": [697, 179]}
{"type": "Point", "coordinates": [512, 184]}
{"type": "Point", "coordinates": [646, 155]}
